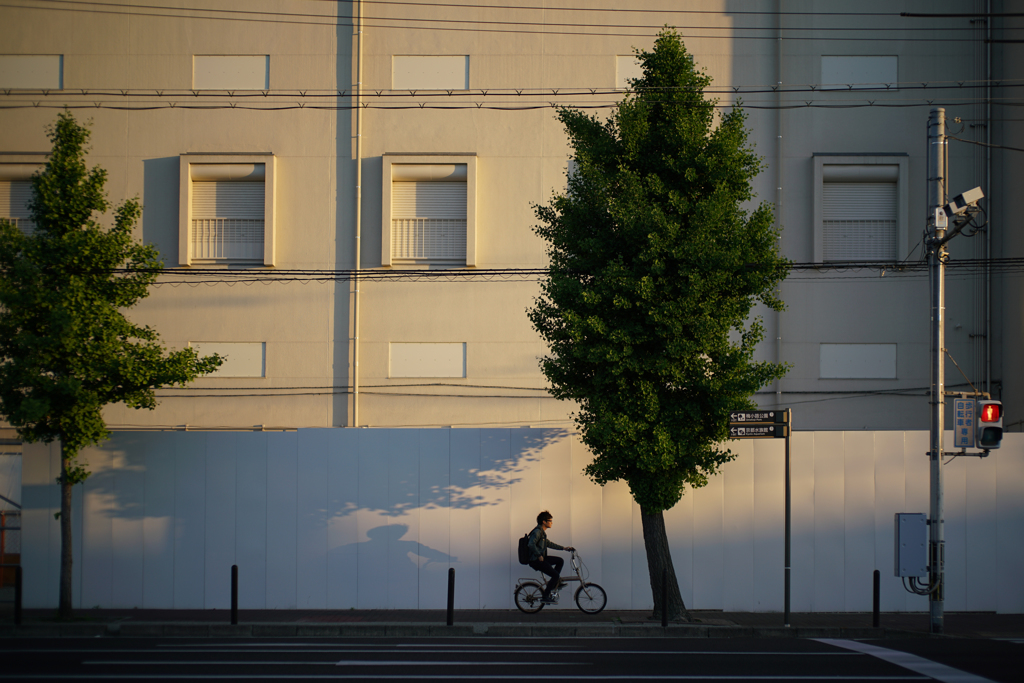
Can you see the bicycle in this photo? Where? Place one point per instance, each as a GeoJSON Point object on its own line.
{"type": "Point", "coordinates": [590, 597]}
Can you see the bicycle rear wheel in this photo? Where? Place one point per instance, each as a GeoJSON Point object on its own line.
{"type": "Point", "coordinates": [591, 598]}
{"type": "Point", "coordinates": [528, 597]}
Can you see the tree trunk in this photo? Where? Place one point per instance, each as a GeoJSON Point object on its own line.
{"type": "Point", "coordinates": [659, 564]}
{"type": "Point", "coordinates": [64, 609]}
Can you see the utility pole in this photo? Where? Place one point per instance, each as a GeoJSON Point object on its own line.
{"type": "Point", "coordinates": [937, 256]}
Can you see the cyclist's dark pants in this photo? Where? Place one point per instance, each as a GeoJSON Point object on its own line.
{"type": "Point", "coordinates": [551, 565]}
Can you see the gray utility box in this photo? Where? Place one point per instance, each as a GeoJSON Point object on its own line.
{"type": "Point", "coordinates": [911, 544]}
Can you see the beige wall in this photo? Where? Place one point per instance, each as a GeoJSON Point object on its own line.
{"type": "Point", "coordinates": [521, 159]}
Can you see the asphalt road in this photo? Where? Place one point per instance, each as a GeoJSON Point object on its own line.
{"type": "Point", "coordinates": [575, 659]}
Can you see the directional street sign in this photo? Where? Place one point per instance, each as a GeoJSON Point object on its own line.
{"type": "Point", "coordinates": [758, 431]}
{"type": "Point", "coordinates": [743, 416]}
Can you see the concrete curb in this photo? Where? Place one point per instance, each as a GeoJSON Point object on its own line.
{"type": "Point", "coordinates": [421, 630]}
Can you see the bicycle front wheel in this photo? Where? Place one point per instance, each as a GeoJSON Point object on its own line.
{"type": "Point", "coordinates": [528, 597]}
{"type": "Point", "coordinates": [591, 598]}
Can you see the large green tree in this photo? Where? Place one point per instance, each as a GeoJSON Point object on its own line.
{"type": "Point", "coordinates": [656, 262]}
{"type": "Point", "coordinates": [66, 347]}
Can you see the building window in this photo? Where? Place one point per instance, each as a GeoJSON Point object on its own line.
{"type": "Point", "coordinates": [15, 193]}
{"type": "Point", "coordinates": [429, 210]}
{"type": "Point", "coordinates": [227, 209]}
{"type": "Point", "coordinates": [860, 210]}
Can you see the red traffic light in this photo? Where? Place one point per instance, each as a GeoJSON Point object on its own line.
{"type": "Point", "coordinates": [989, 412]}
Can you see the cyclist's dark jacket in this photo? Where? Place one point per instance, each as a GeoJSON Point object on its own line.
{"type": "Point", "coordinates": [539, 544]}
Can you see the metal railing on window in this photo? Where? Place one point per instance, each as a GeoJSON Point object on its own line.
{"type": "Point", "coordinates": [859, 240]}
{"type": "Point", "coordinates": [227, 239]}
{"type": "Point", "coordinates": [26, 225]}
{"type": "Point", "coordinates": [428, 239]}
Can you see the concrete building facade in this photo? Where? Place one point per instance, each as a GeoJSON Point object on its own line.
{"type": "Point", "coordinates": [420, 136]}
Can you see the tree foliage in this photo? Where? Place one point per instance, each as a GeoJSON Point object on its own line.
{"type": "Point", "coordinates": [66, 347]}
{"type": "Point", "coordinates": [655, 266]}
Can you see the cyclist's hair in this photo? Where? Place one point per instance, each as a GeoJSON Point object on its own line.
{"type": "Point", "coordinates": [543, 517]}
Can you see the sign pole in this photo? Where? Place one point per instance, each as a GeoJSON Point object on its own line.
{"type": "Point", "coordinates": [789, 509]}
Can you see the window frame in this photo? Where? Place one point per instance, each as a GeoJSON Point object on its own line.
{"type": "Point", "coordinates": [900, 160]}
{"type": "Point", "coordinates": [20, 166]}
{"type": "Point", "coordinates": [269, 203]}
{"type": "Point", "coordinates": [391, 159]}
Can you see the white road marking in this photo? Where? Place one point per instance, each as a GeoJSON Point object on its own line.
{"type": "Point", "coordinates": [516, 677]}
{"type": "Point", "coordinates": [927, 667]}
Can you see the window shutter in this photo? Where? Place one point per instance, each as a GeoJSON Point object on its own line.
{"type": "Point", "coordinates": [14, 197]}
{"type": "Point", "coordinates": [227, 220]}
{"type": "Point", "coordinates": [428, 221]}
{"type": "Point", "coordinates": [859, 221]}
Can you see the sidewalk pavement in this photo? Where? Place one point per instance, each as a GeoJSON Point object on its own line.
{"type": "Point", "coordinates": [557, 622]}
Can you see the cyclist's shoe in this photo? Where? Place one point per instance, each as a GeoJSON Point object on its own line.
{"type": "Point", "coordinates": [550, 600]}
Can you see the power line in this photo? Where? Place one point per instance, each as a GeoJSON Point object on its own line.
{"type": "Point", "coordinates": [246, 13]}
{"type": "Point", "coordinates": [807, 104]}
{"type": "Point", "coordinates": [559, 91]}
{"type": "Point", "coordinates": [772, 30]}
{"type": "Point", "coordinates": [985, 144]}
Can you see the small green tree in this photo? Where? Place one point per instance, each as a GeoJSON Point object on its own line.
{"type": "Point", "coordinates": [66, 348]}
{"type": "Point", "coordinates": [655, 266]}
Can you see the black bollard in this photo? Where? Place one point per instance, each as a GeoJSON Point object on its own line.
{"type": "Point", "coordinates": [451, 596]}
{"type": "Point", "coordinates": [664, 597]}
{"type": "Point", "coordinates": [234, 595]}
{"type": "Point", "coordinates": [876, 599]}
{"type": "Point", "coordinates": [17, 595]}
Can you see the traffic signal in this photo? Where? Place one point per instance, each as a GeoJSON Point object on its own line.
{"type": "Point", "coordinates": [989, 424]}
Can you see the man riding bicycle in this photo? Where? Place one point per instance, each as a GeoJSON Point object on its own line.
{"type": "Point", "coordinates": [539, 558]}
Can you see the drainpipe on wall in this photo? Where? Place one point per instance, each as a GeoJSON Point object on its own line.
{"type": "Point", "coordinates": [357, 94]}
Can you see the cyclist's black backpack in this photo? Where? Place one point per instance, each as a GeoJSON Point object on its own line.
{"type": "Point", "coordinates": [524, 549]}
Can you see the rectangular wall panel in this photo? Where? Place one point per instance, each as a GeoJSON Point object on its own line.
{"type": "Point", "coordinates": [221, 487]}
{"type": "Point", "coordinates": [890, 498]}
{"type": "Point", "coordinates": [127, 532]}
{"type": "Point", "coordinates": [158, 521]}
{"type": "Point", "coordinates": [1009, 527]}
{"type": "Point", "coordinates": [40, 498]}
{"type": "Point", "coordinates": [403, 530]}
{"type": "Point", "coordinates": [586, 529]}
{"type": "Point", "coordinates": [769, 514]}
{"type": "Point", "coordinates": [616, 544]}
{"type": "Point", "coordinates": [311, 518]}
{"type": "Point", "coordinates": [435, 519]}
{"type": "Point", "coordinates": [802, 523]}
{"type": "Point", "coordinates": [342, 528]}
{"type": "Point", "coordinates": [99, 500]}
{"type": "Point", "coordinates": [738, 527]}
{"type": "Point", "coordinates": [251, 519]}
{"type": "Point", "coordinates": [954, 484]}
{"type": "Point", "coordinates": [497, 458]}
{"type": "Point", "coordinates": [980, 513]}
{"type": "Point", "coordinates": [916, 465]}
{"type": "Point", "coordinates": [556, 497]}
{"type": "Point", "coordinates": [190, 522]}
{"type": "Point", "coordinates": [466, 491]}
{"type": "Point", "coordinates": [829, 527]}
{"type": "Point", "coordinates": [372, 519]}
{"type": "Point", "coordinates": [282, 520]}
{"type": "Point", "coordinates": [708, 545]}
{"type": "Point", "coordinates": [859, 520]}
{"type": "Point", "coordinates": [679, 527]}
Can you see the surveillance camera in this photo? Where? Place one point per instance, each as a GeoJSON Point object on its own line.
{"type": "Point", "coordinates": [962, 201]}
